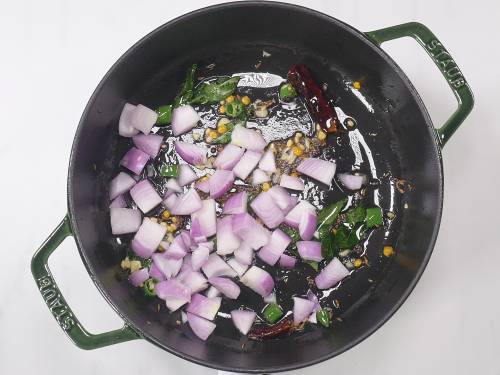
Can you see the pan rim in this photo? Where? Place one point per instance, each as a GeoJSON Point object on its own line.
{"type": "Point", "coordinates": [308, 12]}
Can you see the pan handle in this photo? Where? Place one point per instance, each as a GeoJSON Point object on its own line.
{"type": "Point", "coordinates": [443, 61]}
{"type": "Point", "coordinates": [57, 304]}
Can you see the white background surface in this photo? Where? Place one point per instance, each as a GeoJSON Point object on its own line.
{"type": "Point", "coordinates": [53, 54]}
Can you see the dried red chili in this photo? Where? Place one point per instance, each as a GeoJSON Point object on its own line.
{"type": "Point", "coordinates": [284, 326]}
{"type": "Point", "coordinates": [320, 108]}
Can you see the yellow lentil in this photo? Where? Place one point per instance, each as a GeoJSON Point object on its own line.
{"type": "Point", "coordinates": [388, 251]}
{"type": "Point", "coordinates": [245, 100]}
{"type": "Point", "coordinates": [266, 186]}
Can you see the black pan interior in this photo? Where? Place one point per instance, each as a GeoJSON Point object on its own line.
{"type": "Point", "coordinates": [233, 36]}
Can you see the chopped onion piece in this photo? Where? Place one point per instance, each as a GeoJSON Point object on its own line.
{"type": "Point", "coordinates": [170, 201]}
{"type": "Point", "coordinates": [124, 220]}
{"type": "Point", "coordinates": [215, 266]}
{"type": "Point", "coordinates": [228, 157]}
{"type": "Point", "coordinates": [243, 320]}
{"type": "Point", "coordinates": [142, 118]}
{"type": "Point", "coordinates": [145, 196]}
{"type": "Point", "coordinates": [331, 274]}
{"type": "Point", "coordinates": [136, 278]}
{"type": "Point", "coordinates": [184, 118]}
{"type": "Point", "coordinates": [170, 267]}
{"type": "Point", "coordinates": [174, 293]}
{"type": "Point", "coordinates": [238, 267]}
{"type": "Point", "coordinates": [291, 182]}
{"type": "Point", "coordinates": [194, 280]}
{"type": "Point", "coordinates": [177, 249]}
{"type": "Point", "coordinates": [294, 216]}
{"type": "Point", "coordinates": [307, 224]}
{"type": "Point", "coordinates": [187, 203]}
{"type": "Point", "coordinates": [203, 221]}
{"type": "Point", "coordinates": [236, 204]}
{"type": "Point", "coordinates": [186, 175]}
{"type": "Point", "coordinates": [267, 210]}
{"type": "Point", "coordinates": [259, 177]}
{"type": "Point", "coordinates": [258, 280]}
{"type": "Point", "coordinates": [244, 253]}
{"type": "Point", "coordinates": [149, 143]}
{"type": "Point", "coordinates": [201, 327]}
{"type": "Point", "coordinates": [271, 298]}
{"type": "Point", "coordinates": [352, 181]}
{"type": "Point", "coordinates": [282, 199]}
{"type": "Point", "coordinates": [204, 307]}
{"type": "Point", "coordinates": [191, 153]}
{"type": "Point", "coordinates": [135, 160]}
{"type": "Point", "coordinates": [173, 185]}
{"type": "Point", "coordinates": [148, 238]}
{"type": "Point", "coordinates": [212, 292]}
{"type": "Point", "coordinates": [125, 128]}
{"type": "Point", "coordinates": [118, 202]}
{"type": "Point", "coordinates": [120, 184]}
{"type": "Point", "coordinates": [287, 261]}
{"type": "Point", "coordinates": [321, 170]}
{"type": "Point", "coordinates": [247, 163]}
{"type": "Point", "coordinates": [155, 272]}
{"type": "Point", "coordinates": [203, 186]}
{"type": "Point", "coordinates": [207, 244]}
{"type": "Point", "coordinates": [226, 286]}
{"type": "Point", "coordinates": [302, 308]}
{"type": "Point", "coordinates": [310, 250]}
{"type": "Point", "coordinates": [247, 138]}
{"type": "Point", "coordinates": [272, 252]}
{"type": "Point", "coordinates": [268, 163]}
{"type": "Point", "coordinates": [220, 182]}
{"type": "Point", "coordinates": [186, 239]}
{"type": "Point", "coordinates": [227, 241]}
{"type": "Point", "coordinates": [250, 231]}
{"type": "Point", "coordinates": [199, 257]}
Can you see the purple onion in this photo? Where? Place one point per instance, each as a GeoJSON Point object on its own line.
{"type": "Point", "coordinates": [191, 153]}
{"type": "Point", "coordinates": [302, 308]}
{"type": "Point", "coordinates": [321, 170]}
{"type": "Point", "coordinates": [220, 182]}
{"type": "Point", "coordinates": [250, 231]}
{"type": "Point", "coordinates": [243, 320]}
{"type": "Point", "coordinates": [228, 157]}
{"type": "Point", "coordinates": [177, 249]}
{"type": "Point", "coordinates": [118, 202]}
{"type": "Point", "coordinates": [204, 307]}
{"type": "Point", "coordinates": [142, 118]}
{"type": "Point", "coordinates": [331, 274]}
{"type": "Point", "coordinates": [310, 250]}
{"type": "Point", "coordinates": [352, 181]}
{"type": "Point", "coordinates": [187, 203]}
{"type": "Point", "coordinates": [148, 238]}
{"type": "Point", "coordinates": [173, 186]}
{"type": "Point", "coordinates": [236, 204]}
{"type": "Point", "coordinates": [247, 138]}
{"type": "Point", "coordinates": [120, 184]}
{"type": "Point", "coordinates": [138, 277]}
{"type": "Point", "coordinates": [204, 221]}
{"type": "Point", "coordinates": [149, 143]}
{"type": "Point", "coordinates": [174, 293]}
{"type": "Point", "coordinates": [227, 241]}
{"type": "Point", "coordinates": [124, 220]}
{"type": "Point", "coordinates": [247, 163]}
{"type": "Point", "coordinates": [215, 266]}
{"type": "Point", "coordinates": [294, 216]}
{"type": "Point", "coordinates": [199, 257]}
{"type": "Point", "coordinates": [259, 177]}
{"type": "Point", "coordinates": [267, 210]}
{"type": "Point", "coordinates": [207, 244]}
{"type": "Point", "coordinates": [155, 272]}
{"type": "Point", "coordinates": [258, 280]}
{"type": "Point", "coordinates": [201, 327]}
{"type": "Point", "coordinates": [203, 186]}
{"type": "Point", "coordinates": [135, 160]}
{"type": "Point", "coordinates": [145, 196]}
{"type": "Point", "coordinates": [268, 163]}
{"type": "Point", "coordinates": [287, 261]}
{"type": "Point", "coordinates": [239, 268]}
{"type": "Point", "coordinates": [277, 245]}
{"type": "Point", "coordinates": [226, 286]}
{"type": "Point", "coordinates": [169, 267]}
{"type": "Point", "coordinates": [170, 201]}
{"type": "Point", "coordinates": [184, 118]}
{"type": "Point", "coordinates": [194, 280]}
{"type": "Point", "coordinates": [212, 292]}
{"type": "Point", "coordinates": [186, 175]}
{"type": "Point", "coordinates": [291, 182]}
{"type": "Point", "coordinates": [307, 224]}
{"type": "Point", "coordinates": [282, 199]}
{"type": "Point", "coordinates": [244, 253]}
{"type": "Point", "coordinates": [125, 128]}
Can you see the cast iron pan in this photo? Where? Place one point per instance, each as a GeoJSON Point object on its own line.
{"type": "Point", "coordinates": [406, 145]}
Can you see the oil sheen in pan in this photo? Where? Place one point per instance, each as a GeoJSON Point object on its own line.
{"type": "Point", "coordinates": [283, 121]}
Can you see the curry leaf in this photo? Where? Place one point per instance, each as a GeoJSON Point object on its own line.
{"type": "Point", "coordinates": [373, 217]}
{"type": "Point", "coordinates": [328, 215]}
{"type": "Point", "coordinates": [213, 92]}
{"type": "Point", "coordinates": [186, 93]}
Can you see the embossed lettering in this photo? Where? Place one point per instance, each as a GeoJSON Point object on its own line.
{"type": "Point", "coordinates": [433, 44]}
{"type": "Point", "coordinates": [453, 72]}
{"type": "Point", "coordinates": [49, 294]}
{"type": "Point", "coordinates": [56, 302]}
{"type": "Point", "coordinates": [446, 63]}
{"type": "Point", "coordinates": [457, 83]}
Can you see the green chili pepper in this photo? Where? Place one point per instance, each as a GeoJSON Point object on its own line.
{"type": "Point", "coordinates": [214, 92]}
{"type": "Point", "coordinates": [235, 108]}
{"type": "Point", "coordinates": [314, 265]}
{"type": "Point", "coordinates": [149, 287]}
{"type": "Point", "coordinates": [373, 217]}
{"type": "Point", "coordinates": [323, 317]}
{"type": "Point", "coordinates": [226, 137]}
{"type": "Point", "coordinates": [273, 313]}
{"type": "Point", "coordinates": [328, 215]}
{"type": "Point", "coordinates": [287, 92]}
{"type": "Point", "coordinates": [169, 170]}
{"type": "Point", "coordinates": [187, 89]}
{"type": "Point", "coordinates": [164, 115]}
